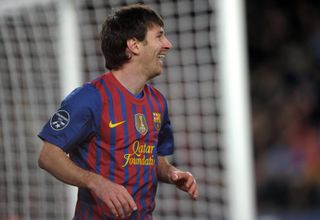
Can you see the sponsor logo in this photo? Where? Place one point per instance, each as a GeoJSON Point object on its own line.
{"type": "Point", "coordinates": [113, 125]}
{"type": "Point", "coordinates": [141, 123]}
{"type": "Point", "coordinates": [59, 120]}
{"type": "Point", "coordinates": [142, 154]}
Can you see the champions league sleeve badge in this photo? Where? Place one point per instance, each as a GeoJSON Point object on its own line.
{"type": "Point", "coordinates": [60, 120]}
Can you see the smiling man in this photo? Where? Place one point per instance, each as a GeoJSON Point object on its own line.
{"type": "Point", "coordinates": [111, 136]}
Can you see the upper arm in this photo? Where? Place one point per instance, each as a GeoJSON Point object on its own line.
{"type": "Point", "coordinates": [165, 137]}
{"type": "Point", "coordinates": [49, 154]}
{"type": "Point", "coordinates": [75, 120]}
{"type": "Point", "coordinates": [56, 162]}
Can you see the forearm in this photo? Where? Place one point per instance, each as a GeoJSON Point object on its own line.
{"type": "Point", "coordinates": [164, 169]}
{"type": "Point", "coordinates": [183, 180]}
{"type": "Point", "coordinates": [56, 162]}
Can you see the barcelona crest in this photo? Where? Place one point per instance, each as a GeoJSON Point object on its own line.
{"type": "Point", "coordinates": [157, 120]}
{"type": "Point", "coordinates": [141, 123]}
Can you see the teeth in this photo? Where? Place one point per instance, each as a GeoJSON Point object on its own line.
{"type": "Point", "coordinates": [161, 56]}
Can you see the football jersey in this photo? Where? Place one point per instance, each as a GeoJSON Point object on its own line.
{"type": "Point", "coordinates": [107, 130]}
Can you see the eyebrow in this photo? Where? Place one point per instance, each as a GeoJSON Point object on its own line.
{"type": "Point", "coordinates": [161, 32]}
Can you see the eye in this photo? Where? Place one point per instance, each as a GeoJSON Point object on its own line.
{"type": "Point", "coordinates": [160, 34]}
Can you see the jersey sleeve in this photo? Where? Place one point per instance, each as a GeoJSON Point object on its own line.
{"type": "Point", "coordinates": [165, 137]}
{"type": "Point", "coordinates": [75, 120]}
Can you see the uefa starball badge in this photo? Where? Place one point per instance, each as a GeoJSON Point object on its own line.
{"type": "Point", "coordinates": [60, 120]}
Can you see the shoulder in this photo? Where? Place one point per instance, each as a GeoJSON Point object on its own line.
{"type": "Point", "coordinates": [86, 96]}
{"type": "Point", "coordinates": [101, 81]}
{"type": "Point", "coordinates": [155, 92]}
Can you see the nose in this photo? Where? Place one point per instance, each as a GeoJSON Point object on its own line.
{"type": "Point", "coordinates": [167, 44]}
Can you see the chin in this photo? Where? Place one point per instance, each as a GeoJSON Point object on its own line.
{"type": "Point", "coordinates": [155, 74]}
{"type": "Point", "coordinates": [158, 73]}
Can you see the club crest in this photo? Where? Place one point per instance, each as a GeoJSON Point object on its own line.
{"type": "Point", "coordinates": [157, 120]}
{"type": "Point", "coordinates": [141, 123]}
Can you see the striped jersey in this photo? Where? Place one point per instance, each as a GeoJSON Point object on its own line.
{"type": "Point", "coordinates": [107, 130]}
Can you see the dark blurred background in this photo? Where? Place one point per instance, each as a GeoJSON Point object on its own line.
{"type": "Point", "coordinates": [284, 56]}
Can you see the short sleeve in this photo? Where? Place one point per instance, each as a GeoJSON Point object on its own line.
{"type": "Point", "coordinates": [75, 120]}
{"type": "Point", "coordinates": [165, 137]}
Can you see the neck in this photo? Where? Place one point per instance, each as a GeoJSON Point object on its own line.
{"type": "Point", "coordinates": [134, 81]}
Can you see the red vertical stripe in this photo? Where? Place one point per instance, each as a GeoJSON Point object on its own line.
{"type": "Point", "coordinates": [151, 141]}
{"type": "Point", "coordinates": [91, 160]}
{"type": "Point", "coordinates": [132, 170]}
{"type": "Point", "coordinates": [119, 172]}
{"type": "Point", "coordinates": [104, 134]}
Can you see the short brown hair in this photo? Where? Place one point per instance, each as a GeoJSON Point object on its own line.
{"type": "Point", "coordinates": [125, 23]}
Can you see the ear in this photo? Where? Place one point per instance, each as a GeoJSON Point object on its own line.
{"type": "Point", "coordinates": [133, 46]}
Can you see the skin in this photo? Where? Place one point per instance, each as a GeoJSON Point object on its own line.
{"type": "Point", "coordinates": [144, 65]}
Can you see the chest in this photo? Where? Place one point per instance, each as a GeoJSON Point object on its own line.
{"type": "Point", "coordinates": [123, 122]}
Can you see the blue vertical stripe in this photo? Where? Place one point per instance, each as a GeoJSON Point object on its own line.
{"type": "Point", "coordinates": [154, 178]}
{"type": "Point", "coordinates": [83, 214]}
{"type": "Point", "coordinates": [112, 132]}
{"type": "Point", "coordinates": [135, 188]}
{"type": "Point", "coordinates": [90, 217]}
{"type": "Point", "coordinates": [98, 116]}
{"type": "Point", "coordinates": [80, 157]}
{"type": "Point", "coordinates": [145, 171]}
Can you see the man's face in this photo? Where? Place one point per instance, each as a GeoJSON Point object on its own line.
{"type": "Point", "coordinates": [155, 46]}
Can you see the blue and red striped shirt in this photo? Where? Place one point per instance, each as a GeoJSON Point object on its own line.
{"type": "Point", "coordinates": [107, 130]}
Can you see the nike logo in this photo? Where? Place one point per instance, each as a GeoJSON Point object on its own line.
{"type": "Point", "coordinates": [113, 125]}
